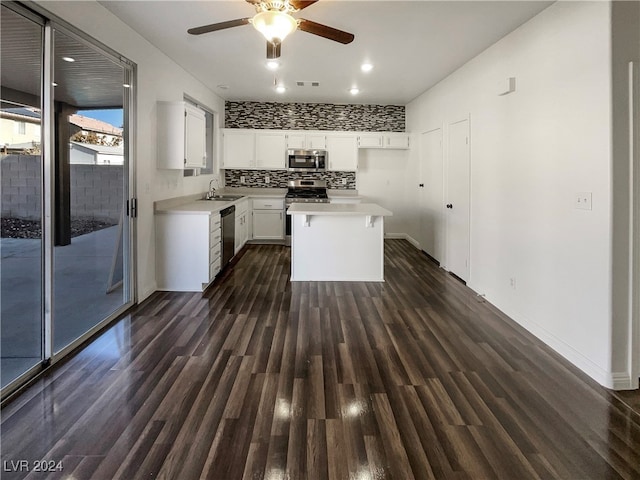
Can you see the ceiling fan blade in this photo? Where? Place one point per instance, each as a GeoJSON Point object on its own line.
{"type": "Point", "coordinates": [273, 50]}
{"type": "Point", "coordinates": [218, 26]}
{"type": "Point", "coordinates": [300, 4]}
{"type": "Point", "coordinates": [326, 32]}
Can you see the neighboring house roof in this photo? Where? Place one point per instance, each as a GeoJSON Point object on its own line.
{"type": "Point", "coordinates": [19, 147]}
{"type": "Point", "coordinates": [103, 149]}
{"type": "Point", "coordinates": [21, 114]}
{"type": "Point", "coordinates": [93, 125]}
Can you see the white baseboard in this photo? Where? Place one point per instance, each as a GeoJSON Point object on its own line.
{"type": "Point", "coordinates": [608, 379]}
{"type": "Point", "coordinates": [404, 236]}
{"type": "Point", "coordinates": [624, 381]}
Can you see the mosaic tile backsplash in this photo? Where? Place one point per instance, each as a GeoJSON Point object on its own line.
{"type": "Point", "coordinates": [279, 178]}
{"type": "Point", "coordinates": [314, 116]}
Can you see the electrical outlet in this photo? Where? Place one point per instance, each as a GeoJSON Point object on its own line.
{"type": "Point", "coordinates": [243, 179]}
{"type": "Point", "coordinates": [512, 282]}
{"type": "Point", "coordinates": [583, 200]}
{"type": "Point", "coordinates": [344, 181]}
{"type": "Point", "coordinates": [267, 179]}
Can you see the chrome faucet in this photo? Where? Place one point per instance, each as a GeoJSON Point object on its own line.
{"type": "Point", "coordinates": [212, 191]}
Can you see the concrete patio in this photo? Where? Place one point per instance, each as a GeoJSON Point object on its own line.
{"type": "Point", "coordinates": [80, 295]}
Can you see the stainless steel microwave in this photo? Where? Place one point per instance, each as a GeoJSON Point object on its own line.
{"type": "Point", "coordinates": [307, 160]}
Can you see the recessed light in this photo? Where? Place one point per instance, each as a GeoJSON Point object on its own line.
{"type": "Point", "coordinates": [281, 89]}
{"type": "Point", "coordinates": [366, 67]}
{"type": "Point", "coordinates": [354, 91]}
{"type": "Point", "coordinates": [273, 65]}
{"type": "Point", "coordinates": [68, 59]}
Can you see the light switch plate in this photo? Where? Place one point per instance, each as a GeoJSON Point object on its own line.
{"type": "Point", "coordinates": [583, 201]}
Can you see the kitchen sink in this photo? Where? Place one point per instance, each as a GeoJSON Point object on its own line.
{"type": "Point", "coordinates": [224, 198]}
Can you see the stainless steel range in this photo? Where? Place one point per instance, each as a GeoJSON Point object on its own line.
{"type": "Point", "coordinates": [304, 191]}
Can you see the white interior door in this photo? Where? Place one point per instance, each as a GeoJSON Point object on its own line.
{"type": "Point", "coordinates": [457, 200]}
{"type": "Point", "coordinates": [432, 228]}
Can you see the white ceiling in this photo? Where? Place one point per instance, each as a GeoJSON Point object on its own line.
{"type": "Point", "coordinates": [412, 44]}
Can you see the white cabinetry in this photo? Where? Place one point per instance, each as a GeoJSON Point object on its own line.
{"type": "Point", "coordinates": [242, 227]}
{"type": "Point", "coordinates": [195, 134]}
{"type": "Point", "coordinates": [384, 140]}
{"type": "Point", "coordinates": [343, 152]}
{"type": "Point", "coordinates": [187, 251]}
{"type": "Point", "coordinates": [182, 134]}
{"type": "Point", "coordinates": [239, 148]}
{"type": "Point", "coordinates": [249, 149]}
{"type": "Point", "coordinates": [301, 140]}
{"type": "Point", "coordinates": [268, 218]}
{"type": "Point", "coordinates": [271, 150]}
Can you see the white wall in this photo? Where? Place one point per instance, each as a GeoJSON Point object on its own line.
{"type": "Point", "coordinates": [531, 152]}
{"type": "Point", "coordinates": [159, 79]}
{"type": "Point", "coordinates": [381, 178]}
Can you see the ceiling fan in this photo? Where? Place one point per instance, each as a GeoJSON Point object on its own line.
{"type": "Point", "coordinates": [273, 19]}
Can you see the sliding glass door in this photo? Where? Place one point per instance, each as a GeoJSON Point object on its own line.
{"type": "Point", "coordinates": [67, 236]}
{"type": "Point", "coordinates": [90, 188]}
{"type": "Point", "coordinates": [21, 163]}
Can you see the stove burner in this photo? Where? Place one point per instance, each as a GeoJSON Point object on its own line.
{"type": "Point", "coordinates": [307, 191]}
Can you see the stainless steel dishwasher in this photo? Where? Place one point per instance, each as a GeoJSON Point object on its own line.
{"type": "Point", "coordinates": [228, 217]}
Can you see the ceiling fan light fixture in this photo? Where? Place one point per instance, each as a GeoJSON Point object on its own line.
{"type": "Point", "coordinates": [274, 25]}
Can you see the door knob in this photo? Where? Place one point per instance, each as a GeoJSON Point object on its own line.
{"type": "Point", "coordinates": [421, 184]}
{"type": "Point", "coordinates": [449, 205]}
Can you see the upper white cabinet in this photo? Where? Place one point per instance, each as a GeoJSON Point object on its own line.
{"type": "Point", "coordinates": [311, 141]}
{"type": "Point", "coordinates": [384, 140]}
{"type": "Point", "coordinates": [239, 148]}
{"type": "Point", "coordinates": [182, 136]}
{"type": "Point", "coordinates": [266, 149]}
{"type": "Point", "coordinates": [247, 149]}
{"type": "Point", "coordinates": [271, 150]}
{"type": "Point", "coordinates": [342, 150]}
{"type": "Point", "coordinates": [195, 134]}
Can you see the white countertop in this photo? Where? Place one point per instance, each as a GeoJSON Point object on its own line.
{"type": "Point", "coordinates": [254, 192]}
{"type": "Point", "coordinates": [198, 207]}
{"type": "Point", "coordinates": [341, 209]}
{"type": "Point", "coordinates": [339, 193]}
{"type": "Point", "coordinates": [193, 204]}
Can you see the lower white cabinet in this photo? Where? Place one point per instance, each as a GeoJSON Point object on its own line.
{"type": "Point", "coordinates": [267, 218]}
{"type": "Point", "coordinates": [242, 225]}
{"type": "Point", "coordinates": [188, 250]}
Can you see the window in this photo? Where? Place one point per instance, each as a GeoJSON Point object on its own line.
{"type": "Point", "coordinates": [211, 127]}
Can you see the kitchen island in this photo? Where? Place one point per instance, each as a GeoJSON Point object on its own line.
{"type": "Point", "coordinates": [337, 242]}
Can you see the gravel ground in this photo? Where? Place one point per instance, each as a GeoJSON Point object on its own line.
{"type": "Point", "coordinates": [19, 228]}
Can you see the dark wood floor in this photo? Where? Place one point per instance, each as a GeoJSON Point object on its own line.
{"type": "Point", "coordinates": [260, 378]}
